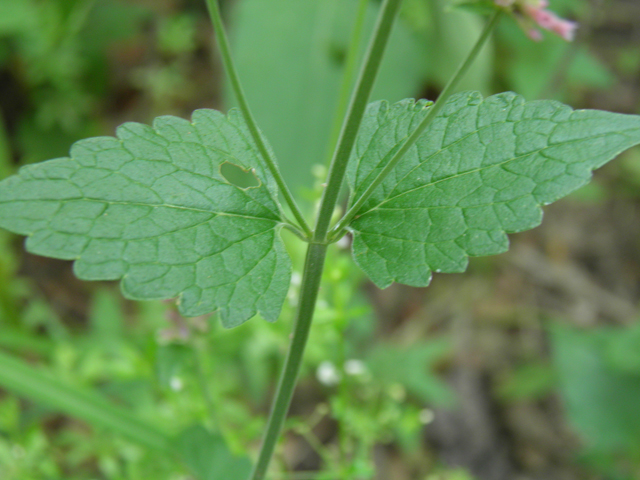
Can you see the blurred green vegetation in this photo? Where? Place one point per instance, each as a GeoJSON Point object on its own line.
{"type": "Point", "coordinates": [76, 68]}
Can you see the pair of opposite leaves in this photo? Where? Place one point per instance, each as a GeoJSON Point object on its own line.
{"type": "Point", "coordinates": [151, 207]}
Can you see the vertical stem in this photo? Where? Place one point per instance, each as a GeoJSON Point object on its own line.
{"type": "Point", "coordinates": [316, 251]}
{"type": "Point", "coordinates": [426, 121]}
{"type": "Point", "coordinates": [199, 352]}
{"type": "Point", "coordinates": [347, 75]}
{"type": "Point", "coordinates": [232, 74]}
{"type": "Point", "coordinates": [313, 266]}
{"type": "Point", "coordinates": [364, 85]}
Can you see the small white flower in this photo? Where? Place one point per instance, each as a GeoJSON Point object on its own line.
{"type": "Point", "coordinates": [327, 374]}
{"type": "Point", "coordinates": [355, 367]}
{"type": "Point", "coordinates": [176, 384]}
{"type": "Point", "coordinates": [344, 243]}
{"type": "Point", "coordinates": [426, 416]}
{"type": "Point", "coordinates": [296, 279]}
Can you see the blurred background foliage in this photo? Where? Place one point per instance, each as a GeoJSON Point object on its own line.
{"type": "Point", "coordinates": [525, 367]}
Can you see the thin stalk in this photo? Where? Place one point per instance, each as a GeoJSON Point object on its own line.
{"type": "Point", "coordinates": [316, 251]}
{"type": "Point", "coordinates": [201, 373]}
{"type": "Point", "coordinates": [585, 33]}
{"type": "Point", "coordinates": [350, 65]}
{"type": "Point", "coordinates": [417, 133]}
{"type": "Point", "coordinates": [364, 85]}
{"type": "Point", "coordinates": [296, 231]}
{"type": "Point", "coordinates": [232, 74]}
{"type": "Point", "coordinates": [314, 442]}
{"type": "Point", "coordinates": [314, 263]}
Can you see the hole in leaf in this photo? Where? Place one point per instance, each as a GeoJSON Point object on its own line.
{"type": "Point", "coordinates": [238, 176]}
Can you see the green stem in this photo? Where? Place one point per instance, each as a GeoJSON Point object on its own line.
{"type": "Point", "coordinates": [199, 351]}
{"type": "Point", "coordinates": [364, 85]}
{"type": "Point", "coordinates": [314, 263]}
{"type": "Point", "coordinates": [232, 74]}
{"type": "Point", "coordinates": [348, 74]}
{"type": "Point", "coordinates": [417, 133]}
{"type": "Point", "coordinates": [297, 232]}
{"type": "Point", "coordinates": [317, 248]}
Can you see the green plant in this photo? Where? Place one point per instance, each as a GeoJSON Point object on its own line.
{"type": "Point", "coordinates": [190, 209]}
{"type": "Point", "coordinates": [54, 57]}
{"type": "Point", "coordinates": [601, 394]}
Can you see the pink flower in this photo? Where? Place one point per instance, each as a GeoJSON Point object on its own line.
{"type": "Point", "coordinates": [549, 20]}
{"type": "Point", "coordinates": [532, 13]}
{"type": "Point", "coordinates": [534, 35]}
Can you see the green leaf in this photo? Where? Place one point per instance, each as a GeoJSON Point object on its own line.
{"type": "Point", "coordinates": [152, 208]}
{"type": "Point", "coordinates": [17, 17]}
{"type": "Point", "coordinates": [601, 400]}
{"type": "Point", "coordinates": [412, 366]}
{"type": "Point", "coordinates": [208, 456]}
{"type": "Point", "coordinates": [623, 350]}
{"type": "Point", "coordinates": [19, 377]}
{"type": "Point", "coordinates": [482, 169]}
{"type": "Point", "coordinates": [530, 381]}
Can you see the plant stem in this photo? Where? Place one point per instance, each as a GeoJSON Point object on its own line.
{"type": "Point", "coordinates": [316, 251]}
{"type": "Point", "coordinates": [199, 353]}
{"type": "Point", "coordinates": [417, 133]}
{"type": "Point", "coordinates": [314, 263]}
{"type": "Point", "coordinates": [297, 232]}
{"type": "Point", "coordinates": [232, 74]}
{"type": "Point", "coordinates": [347, 76]}
{"type": "Point", "coordinates": [368, 73]}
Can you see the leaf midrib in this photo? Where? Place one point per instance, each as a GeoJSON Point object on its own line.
{"type": "Point", "coordinates": [475, 170]}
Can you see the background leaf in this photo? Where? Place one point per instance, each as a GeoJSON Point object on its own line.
{"type": "Point", "coordinates": [482, 169]}
{"type": "Point", "coordinates": [19, 377]}
{"type": "Point", "coordinates": [208, 456]}
{"type": "Point", "coordinates": [151, 207]}
{"type": "Point", "coordinates": [412, 366]}
{"type": "Point", "coordinates": [601, 399]}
